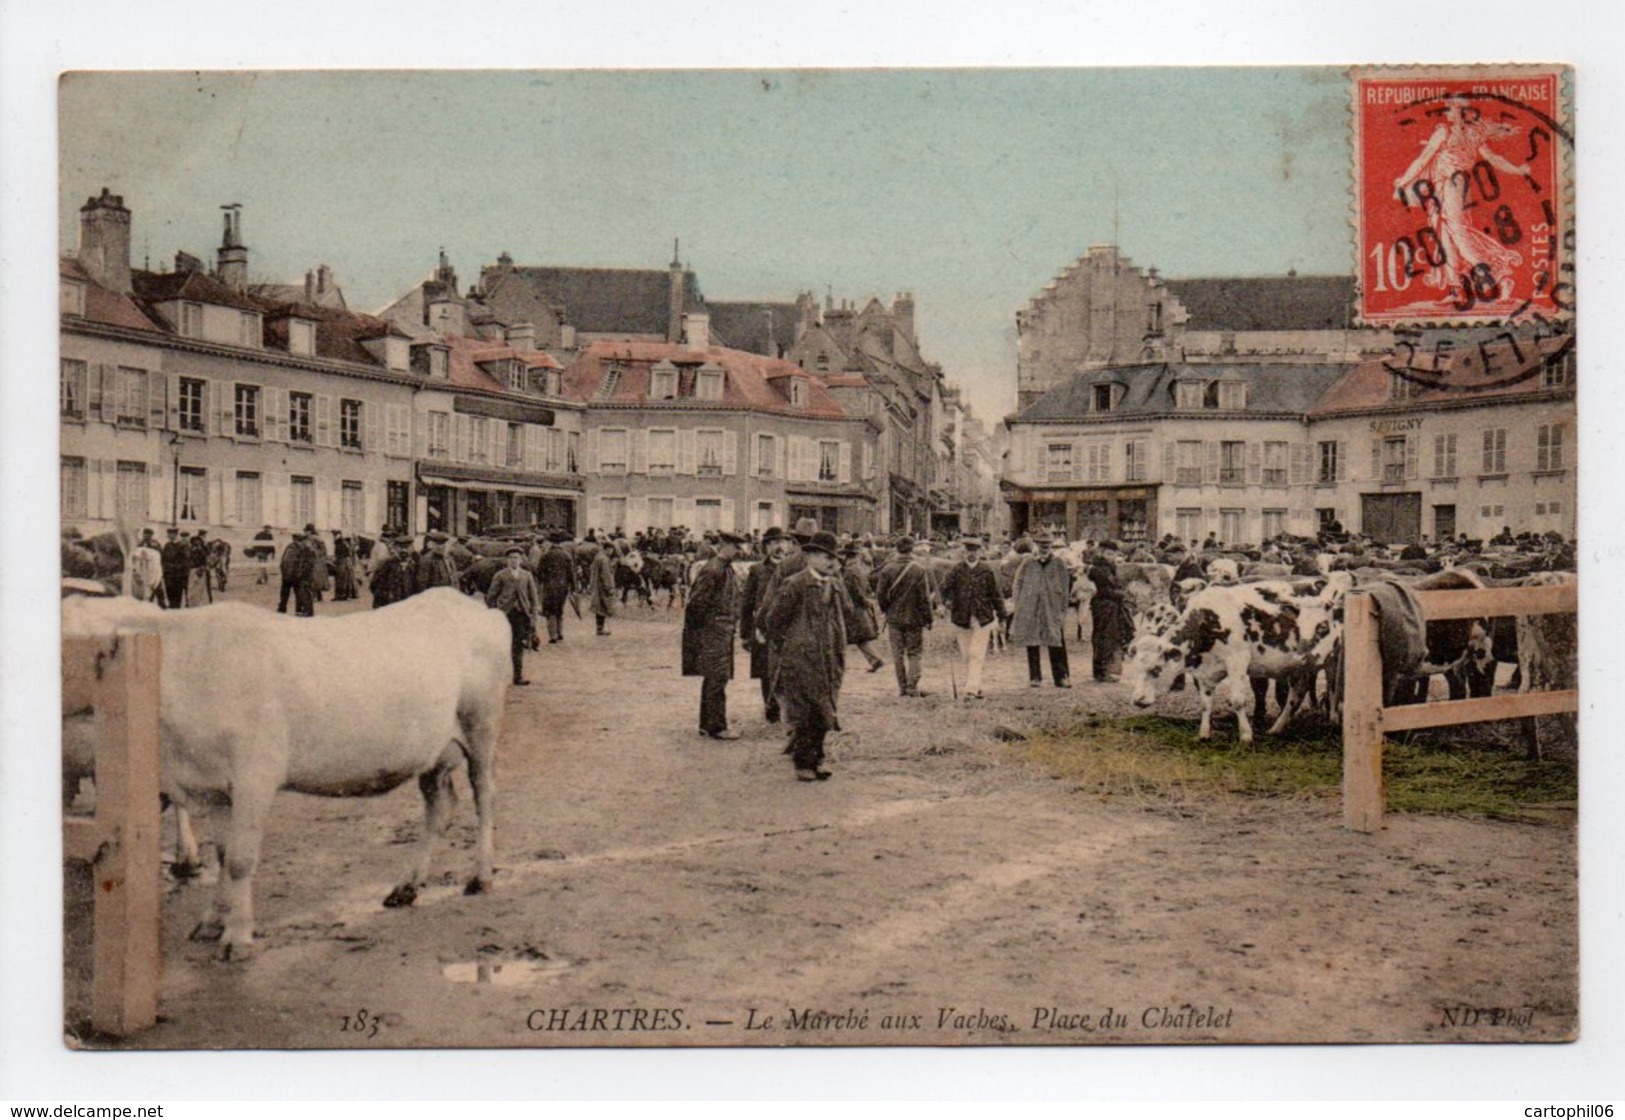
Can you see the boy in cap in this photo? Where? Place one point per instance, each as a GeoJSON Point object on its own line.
{"type": "Point", "coordinates": [809, 617]}
{"type": "Point", "coordinates": [708, 634]}
{"type": "Point", "coordinates": [513, 592]}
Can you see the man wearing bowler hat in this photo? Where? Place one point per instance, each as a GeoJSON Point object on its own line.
{"type": "Point", "coordinates": [1043, 587]}
{"type": "Point", "coordinates": [775, 547]}
{"type": "Point", "coordinates": [708, 634]}
{"type": "Point", "coordinates": [809, 618]}
{"type": "Point", "coordinates": [907, 596]}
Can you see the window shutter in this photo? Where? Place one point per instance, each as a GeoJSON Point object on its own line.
{"type": "Point", "coordinates": [1411, 455]}
{"type": "Point", "coordinates": [497, 437]}
{"type": "Point", "coordinates": [1080, 466]}
{"type": "Point", "coordinates": [461, 439]}
{"type": "Point", "coordinates": [1255, 463]}
{"type": "Point", "coordinates": [1210, 470]}
{"type": "Point", "coordinates": [372, 425]}
{"type": "Point", "coordinates": [276, 499]}
{"type": "Point", "coordinates": [1342, 460]}
{"type": "Point", "coordinates": [730, 452]}
{"type": "Point", "coordinates": [157, 400]}
{"type": "Point", "coordinates": [420, 433]}
{"type": "Point", "coordinates": [868, 460]}
{"type": "Point", "coordinates": [1298, 457]}
{"type": "Point", "coordinates": [590, 466]}
{"type": "Point", "coordinates": [219, 502]}
{"type": "Point", "coordinates": [372, 506]}
{"type": "Point", "coordinates": [686, 453]}
{"type": "Point", "coordinates": [95, 384]}
{"type": "Point", "coordinates": [782, 443]}
{"type": "Point", "coordinates": [325, 436]}
{"type": "Point", "coordinates": [535, 460]}
{"type": "Point", "coordinates": [728, 521]}
{"type": "Point", "coordinates": [274, 401]}
{"type": "Point", "coordinates": [157, 492]}
{"type": "Point", "coordinates": [595, 510]}
{"type": "Point", "coordinates": [1043, 462]}
{"type": "Point", "coordinates": [218, 399]}
{"type": "Point", "coordinates": [1376, 460]}
{"type": "Point", "coordinates": [1168, 473]}
{"type": "Point", "coordinates": [640, 452]}
{"type": "Point", "coordinates": [843, 470]}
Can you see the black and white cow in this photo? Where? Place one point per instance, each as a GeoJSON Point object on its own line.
{"type": "Point", "coordinates": [1238, 634]}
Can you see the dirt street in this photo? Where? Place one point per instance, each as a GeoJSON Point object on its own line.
{"type": "Point", "coordinates": [657, 888]}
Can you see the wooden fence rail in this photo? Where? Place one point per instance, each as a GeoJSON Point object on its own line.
{"type": "Point", "coordinates": [1366, 720]}
{"type": "Point", "coordinates": [118, 679]}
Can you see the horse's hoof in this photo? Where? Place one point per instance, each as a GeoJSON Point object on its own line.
{"type": "Point", "coordinates": [477, 885]}
{"type": "Point", "coordinates": [208, 931]}
{"type": "Point", "coordinates": [403, 895]}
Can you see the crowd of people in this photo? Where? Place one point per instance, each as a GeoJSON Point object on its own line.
{"type": "Point", "coordinates": [795, 600]}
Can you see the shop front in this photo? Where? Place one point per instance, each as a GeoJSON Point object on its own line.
{"type": "Point", "coordinates": [466, 501]}
{"type": "Point", "coordinates": [1125, 513]}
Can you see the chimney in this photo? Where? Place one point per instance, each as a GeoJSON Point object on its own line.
{"type": "Point", "coordinates": [806, 313]}
{"type": "Point", "coordinates": [186, 262]}
{"type": "Point", "coordinates": [104, 241]}
{"type": "Point", "coordinates": [445, 313]}
{"type": "Point", "coordinates": [522, 336]}
{"type": "Point", "coordinates": [902, 309]}
{"type": "Point", "coordinates": [232, 259]}
{"type": "Point", "coordinates": [324, 280]}
{"type": "Point", "coordinates": [674, 298]}
{"type": "Point", "coordinates": [310, 286]}
{"type": "Point", "coordinates": [697, 330]}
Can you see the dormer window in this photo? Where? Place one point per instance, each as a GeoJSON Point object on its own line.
{"type": "Point", "coordinates": [516, 375]}
{"type": "Point", "coordinates": [301, 337]}
{"type": "Point", "coordinates": [72, 298]}
{"type": "Point", "coordinates": [250, 331]}
{"type": "Point", "coordinates": [1558, 372]}
{"type": "Point", "coordinates": [192, 320]}
{"type": "Point", "coordinates": [822, 364]}
{"type": "Point", "coordinates": [708, 384]}
{"type": "Point", "coordinates": [1188, 395]}
{"type": "Point", "coordinates": [1232, 395]}
{"type": "Point", "coordinates": [663, 382]}
{"type": "Point", "coordinates": [1103, 398]}
{"type": "Point", "coordinates": [1400, 387]}
{"type": "Point", "coordinates": [549, 382]}
{"type": "Point", "coordinates": [798, 392]}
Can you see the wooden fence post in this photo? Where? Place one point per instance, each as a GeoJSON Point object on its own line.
{"type": "Point", "coordinates": [123, 845]}
{"type": "Point", "coordinates": [1362, 715]}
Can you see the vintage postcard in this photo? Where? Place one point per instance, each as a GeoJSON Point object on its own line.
{"type": "Point", "coordinates": [827, 558]}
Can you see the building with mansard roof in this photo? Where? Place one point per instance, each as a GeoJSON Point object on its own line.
{"type": "Point", "coordinates": [1396, 448]}
{"type": "Point", "coordinates": [705, 436]}
{"type": "Point", "coordinates": [185, 399]}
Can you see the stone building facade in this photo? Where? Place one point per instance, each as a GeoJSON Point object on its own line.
{"type": "Point", "coordinates": [709, 437]}
{"type": "Point", "coordinates": [1245, 452]}
{"type": "Point", "coordinates": [1103, 311]}
{"type": "Point", "coordinates": [185, 399]}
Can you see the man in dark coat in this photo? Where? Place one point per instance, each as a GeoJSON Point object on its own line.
{"type": "Point", "coordinates": [200, 585]}
{"type": "Point", "coordinates": [856, 573]}
{"type": "Point", "coordinates": [434, 568]}
{"type": "Point", "coordinates": [971, 593]}
{"type": "Point", "coordinates": [775, 546]}
{"type": "Point", "coordinates": [297, 561]}
{"type": "Point", "coordinates": [175, 559]}
{"type": "Point", "coordinates": [318, 551]}
{"type": "Point", "coordinates": [344, 586]}
{"type": "Point", "coordinates": [556, 572]}
{"type": "Point", "coordinates": [908, 598]}
{"type": "Point", "coordinates": [1113, 627]}
{"type": "Point", "coordinates": [392, 577]}
{"type": "Point", "coordinates": [513, 592]}
{"type": "Point", "coordinates": [708, 635]}
{"type": "Point", "coordinates": [601, 585]}
{"type": "Point", "coordinates": [809, 618]}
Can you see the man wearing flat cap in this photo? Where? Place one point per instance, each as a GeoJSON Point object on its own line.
{"type": "Point", "coordinates": [434, 567]}
{"type": "Point", "coordinates": [513, 592]}
{"type": "Point", "coordinates": [809, 618]}
{"type": "Point", "coordinates": [708, 634]}
{"type": "Point", "coordinates": [971, 593]}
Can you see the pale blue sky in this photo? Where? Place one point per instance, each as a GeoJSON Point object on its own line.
{"type": "Point", "coordinates": [972, 188]}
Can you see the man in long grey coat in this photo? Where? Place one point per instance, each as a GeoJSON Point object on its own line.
{"type": "Point", "coordinates": [1043, 587]}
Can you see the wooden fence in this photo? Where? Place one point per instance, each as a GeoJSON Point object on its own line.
{"type": "Point", "coordinates": [117, 678]}
{"type": "Point", "coordinates": [1366, 720]}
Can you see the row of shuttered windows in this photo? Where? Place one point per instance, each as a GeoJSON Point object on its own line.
{"type": "Point", "coordinates": [107, 490]}
{"type": "Point", "coordinates": [715, 452]}
{"type": "Point", "coordinates": [1395, 458]}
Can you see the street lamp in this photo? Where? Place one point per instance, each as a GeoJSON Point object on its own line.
{"type": "Point", "coordinates": [175, 488]}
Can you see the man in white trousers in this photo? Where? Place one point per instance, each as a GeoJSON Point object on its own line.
{"type": "Point", "coordinates": [970, 592]}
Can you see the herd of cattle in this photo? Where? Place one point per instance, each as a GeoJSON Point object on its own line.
{"type": "Point", "coordinates": [253, 702]}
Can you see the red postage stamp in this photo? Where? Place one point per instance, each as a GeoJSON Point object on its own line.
{"type": "Point", "coordinates": [1460, 203]}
